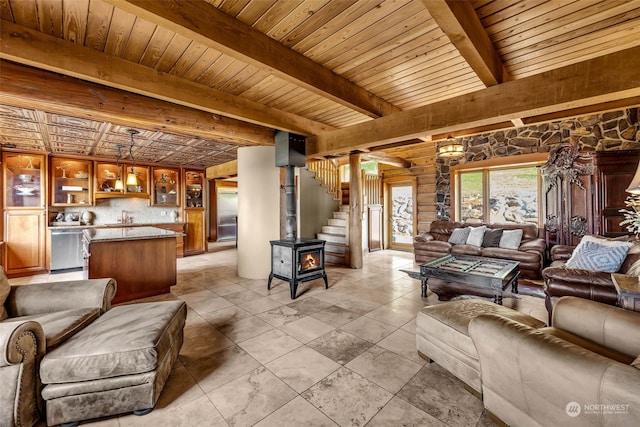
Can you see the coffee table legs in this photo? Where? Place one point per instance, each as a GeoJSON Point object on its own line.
{"type": "Point", "coordinates": [423, 281]}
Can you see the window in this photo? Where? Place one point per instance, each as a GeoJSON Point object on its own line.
{"type": "Point", "coordinates": [370, 167]}
{"type": "Point", "coordinates": [501, 193]}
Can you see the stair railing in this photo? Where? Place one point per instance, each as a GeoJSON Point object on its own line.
{"type": "Point", "coordinates": [329, 175]}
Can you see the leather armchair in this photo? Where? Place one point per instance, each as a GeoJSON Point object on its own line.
{"type": "Point", "coordinates": [598, 286]}
{"type": "Point", "coordinates": [584, 370]}
{"type": "Point", "coordinates": [41, 317]}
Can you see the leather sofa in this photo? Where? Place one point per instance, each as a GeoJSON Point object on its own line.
{"type": "Point", "coordinates": [583, 370]}
{"type": "Point", "coordinates": [34, 319]}
{"type": "Point", "coordinates": [598, 286]}
{"type": "Point", "coordinates": [530, 254]}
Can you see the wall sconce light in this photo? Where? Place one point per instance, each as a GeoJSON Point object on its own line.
{"type": "Point", "coordinates": [119, 186]}
{"type": "Point", "coordinates": [451, 149]}
{"type": "Point", "coordinates": [132, 179]}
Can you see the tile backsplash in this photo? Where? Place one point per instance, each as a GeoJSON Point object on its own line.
{"type": "Point", "coordinates": [110, 211]}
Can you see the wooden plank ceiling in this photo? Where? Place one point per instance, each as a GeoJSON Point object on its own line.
{"type": "Point", "coordinates": [201, 78]}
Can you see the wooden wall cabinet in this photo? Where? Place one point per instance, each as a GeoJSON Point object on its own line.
{"type": "Point", "coordinates": [24, 198]}
{"type": "Point", "coordinates": [194, 213]}
{"type": "Point", "coordinates": [107, 173]}
{"type": "Point", "coordinates": [165, 190]}
{"type": "Point", "coordinates": [584, 191]}
{"type": "Point", "coordinates": [70, 181]}
{"type": "Point", "coordinates": [614, 171]}
{"type": "Point", "coordinates": [24, 180]}
{"type": "Point", "coordinates": [24, 238]}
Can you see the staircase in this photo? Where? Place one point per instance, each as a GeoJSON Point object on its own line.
{"type": "Point", "coordinates": [336, 234]}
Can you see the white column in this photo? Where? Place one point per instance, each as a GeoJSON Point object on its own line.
{"type": "Point", "coordinates": [258, 210]}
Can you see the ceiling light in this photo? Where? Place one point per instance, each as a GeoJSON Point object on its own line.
{"type": "Point", "coordinates": [452, 148]}
{"type": "Point", "coordinates": [132, 179]}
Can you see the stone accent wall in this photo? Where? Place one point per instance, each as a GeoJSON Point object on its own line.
{"type": "Point", "coordinates": [617, 130]}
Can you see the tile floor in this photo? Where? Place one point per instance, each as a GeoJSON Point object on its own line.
{"type": "Point", "coordinates": [344, 356]}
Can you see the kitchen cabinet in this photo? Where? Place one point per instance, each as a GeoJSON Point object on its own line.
{"type": "Point", "coordinates": [107, 175]}
{"type": "Point", "coordinates": [166, 187]}
{"type": "Point", "coordinates": [141, 259]}
{"type": "Point", "coordinates": [70, 181]}
{"type": "Point", "coordinates": [24, 241]}
{"type": "Point", "coordinates": [178, 227]}
{"type": "Point", "coordinates": [24, 195]}
{"type": "Point", "coordinates": [194, 213]}
{"type": "Point", "coordinates": [24, 178]}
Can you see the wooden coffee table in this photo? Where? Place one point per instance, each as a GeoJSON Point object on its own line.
{"type": "Point", "coordinates": [477, 272]}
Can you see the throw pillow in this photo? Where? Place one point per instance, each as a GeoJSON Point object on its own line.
{"type": "Point", "coordinates": [459, 236]}
{"type": "Point", "coordinates": [476, 234]}
{"type": "Point", "coordinates": [634, 270]}
{"type": "Point", "coordinates": [5, 288]}
{"type": "Point", "coordinates": [510, 239]}
{"type": "Point", "coordinates": [491, 238]}
{"type": "Point", "coordinates": [595, 257]}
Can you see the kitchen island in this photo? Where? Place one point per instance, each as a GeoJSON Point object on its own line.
{"type": "Point", "coordinates": [141, 259]}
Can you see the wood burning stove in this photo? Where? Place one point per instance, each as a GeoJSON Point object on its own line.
{"type": "Point", "coordinates": [292, 259]}
{"type": "Point", "coordinates": [297, 260]}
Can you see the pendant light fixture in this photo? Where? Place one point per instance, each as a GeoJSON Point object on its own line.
{"type": "Point", "coordinates": [119, 186]}
{"type": "Point", "coordinates": [132, 179]}
{"type": "Point", "coordinates": [452, 148]}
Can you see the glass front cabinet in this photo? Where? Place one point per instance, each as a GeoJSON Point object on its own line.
{"type": "Point", "coordinates": [166, 187]}
{"type": "Point", "coordinates": [24, 180]}
{"type": "Point", "coordinates": [113, 180]}
{"type": "Point", "coordinates": [70, 182]}
{"type": "Point", "coordinates": [194, 181]}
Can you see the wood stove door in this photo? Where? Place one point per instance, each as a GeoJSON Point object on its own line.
{"type": "Point", "coordinates": [282, 260]}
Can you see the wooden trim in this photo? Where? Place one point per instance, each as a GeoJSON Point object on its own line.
{"type": "Point", "coordinates": [497, 162]}
{"type": "Point", "coordinates": [524, 160]}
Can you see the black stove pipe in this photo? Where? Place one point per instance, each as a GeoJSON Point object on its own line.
{"type": "Point", "coordinates": [290, 152]}
{"type": "Point", "coordinates": [290, 225]}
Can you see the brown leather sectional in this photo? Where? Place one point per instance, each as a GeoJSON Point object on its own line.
{"type": "Point", "coordinates": [598, 286]}
{"type": "Point", "coordinates": [530, 254]}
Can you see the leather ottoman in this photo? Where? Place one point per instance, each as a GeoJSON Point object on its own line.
{"type": "Point", "coordinates": [442, 335]}
{"type": "Point", "coordinates": [117, 364]}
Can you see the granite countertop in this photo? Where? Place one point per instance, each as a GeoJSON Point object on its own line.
{"type": "Point", "coordinates": [127, 233]}
{"type": "Point", "coordinates": [118, 225]}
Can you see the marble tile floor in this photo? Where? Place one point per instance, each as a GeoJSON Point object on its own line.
{"type": "Point", "coordinates": [344, 356]}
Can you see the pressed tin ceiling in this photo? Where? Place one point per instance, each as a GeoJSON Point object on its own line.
{"type": "Point", "coordinates": [310, 66]}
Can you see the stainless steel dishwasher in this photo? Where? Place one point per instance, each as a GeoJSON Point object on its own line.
{"type": "Point", "coordinates": [66, 249]}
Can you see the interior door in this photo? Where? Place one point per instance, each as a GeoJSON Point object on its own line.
{"type": "Point", "coordinates": [401, 215]}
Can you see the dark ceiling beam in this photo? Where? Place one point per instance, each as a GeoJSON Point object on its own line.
{"type": "Point", "coordinates": [28, 47]}
{"type": "Point", "coordinates": [213, 28]}
{"type": "Point", "coordinates": [604, 79]}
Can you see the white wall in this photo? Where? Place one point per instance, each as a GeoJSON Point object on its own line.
{"type": "Point", "coordinates": [258, 210]}
{"type": "Point", "coordinates": [315, 207]}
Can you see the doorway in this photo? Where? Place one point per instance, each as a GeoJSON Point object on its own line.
{"type": "Point", "coordinates": [401, 218]}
